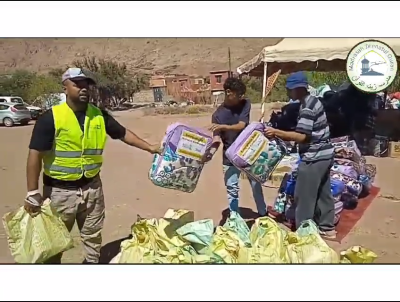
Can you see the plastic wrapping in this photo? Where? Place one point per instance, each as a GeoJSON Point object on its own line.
{"type": "Point", "coordinates": [35, 239]}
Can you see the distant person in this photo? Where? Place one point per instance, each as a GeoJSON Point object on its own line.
{"type": "Point", "coordinates": [228, 121]}
{"type": "Point", "coordinates": [68, 142]}
{"type": "Point", "coordinates": [312, 196]}
{"type": "Point", "coordinates": [364, 123]}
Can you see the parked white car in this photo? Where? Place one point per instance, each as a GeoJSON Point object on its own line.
{"type": "Point", "coordinates": [34, 110]}
{"type": "Point", "coordinates": [14, 113]}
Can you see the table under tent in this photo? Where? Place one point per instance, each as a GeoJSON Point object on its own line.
{"type": "Point", "coordinates": [322, 55]}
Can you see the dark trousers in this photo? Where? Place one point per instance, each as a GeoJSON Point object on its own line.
{"type": "Point", "coordinates": [312, 195]}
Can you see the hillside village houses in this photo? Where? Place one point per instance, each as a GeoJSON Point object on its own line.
{"type": "Point", "coordinates": [181, 87]}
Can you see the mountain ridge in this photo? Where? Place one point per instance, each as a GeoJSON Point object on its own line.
{"type": "Point", "coordinates": [192, 56]}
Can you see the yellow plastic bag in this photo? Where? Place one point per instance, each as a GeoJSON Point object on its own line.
{"type": "Point", "coordinates": [132, 251]}
{"type": "Point", "coordinates": [144, 244]}
{"type": "Point", "coordinates": [150, 245]}
{"type": "Point", "coordinates": [184, 255]}
{"type": "Point", "coordinates": [357, 254]}
{"type": "Point", "coordinates": [268, 242]}
{"type": "Point", "coordinates": [171, 222]}
{"type": "Point", "coordinates": [259, 254]}
{"type": "Point", "coordinates": [36, 239]}
{"type": "Point", "coordinates": [226, 244]}
{"type": "Point", "coordinates": [307, 246]}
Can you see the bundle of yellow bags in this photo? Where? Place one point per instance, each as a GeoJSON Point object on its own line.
{"type": "Point", "coordinates": [177, 238]}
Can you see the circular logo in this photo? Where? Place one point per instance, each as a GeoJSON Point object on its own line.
{"type": "Point", "coordinates": [371, 66]}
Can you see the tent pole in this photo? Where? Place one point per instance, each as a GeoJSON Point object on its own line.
{"type": "Point", "coordinates": [385, 93]}
{"type": "Point", "coordinates": [264, 92]}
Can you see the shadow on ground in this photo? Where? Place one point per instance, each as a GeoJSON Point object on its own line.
{"type": "Point", "coordinates": [247, 214]}
{"type": "Point", "coordinates": [110, 250]}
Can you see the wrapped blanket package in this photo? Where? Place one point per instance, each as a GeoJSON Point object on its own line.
{"type": "Point", "coordinates": [353, 186]}
{"type": "Point", "coordinates": [284, 203]}
{"type": "Point", "coordinates": [254, 154]}
{"type": "Point", "coordinates": [179, 166]}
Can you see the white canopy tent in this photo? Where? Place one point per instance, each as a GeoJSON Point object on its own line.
{"type": "Point", "coordinates": [296, 50]}
{"type": "Point", "coordinates": [308, 54]}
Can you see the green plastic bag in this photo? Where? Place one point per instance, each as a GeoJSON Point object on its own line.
{"type": "Point", "coordinates": [198, 233]}
{"type": "Point", "coordinates": [237, 224]}
{"type": "Point", "coordinates": [36, 239]}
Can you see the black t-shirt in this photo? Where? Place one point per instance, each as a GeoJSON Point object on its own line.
{"type": "Point", "coordinates": [42, 140]}
{"type": "Point", "coordinates": [225, 115]}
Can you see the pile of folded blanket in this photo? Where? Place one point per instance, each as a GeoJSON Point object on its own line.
{"type": "Point", "coordinates": [351, 177]}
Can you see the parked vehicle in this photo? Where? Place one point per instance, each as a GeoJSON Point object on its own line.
{"type": "Point", "coordinates": [34, 110]}
{"type": "Point", "coordinates": [13, 113]}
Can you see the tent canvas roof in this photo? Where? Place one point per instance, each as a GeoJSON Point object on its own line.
{"type": "Point", "coordinates": [322, 54]}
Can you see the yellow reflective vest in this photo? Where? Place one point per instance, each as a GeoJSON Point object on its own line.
{"type": "Point", "coordinates": [76, 153]}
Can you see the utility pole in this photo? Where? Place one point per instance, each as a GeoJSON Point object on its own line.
{"type": "Point", "coordinates": [229, 59]}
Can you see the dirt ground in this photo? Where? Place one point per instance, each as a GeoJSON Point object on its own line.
{"type": "Point", "coordinates": [128, 191]}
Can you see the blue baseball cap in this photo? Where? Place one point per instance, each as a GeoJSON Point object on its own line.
{"type": "Point", "coordinates": [297, 80]}
{"type": "Point", "coordinates": [76, 74]}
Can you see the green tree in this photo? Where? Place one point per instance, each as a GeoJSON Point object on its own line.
{"type": "Point", "coordinates": [43, 86]}
{"type": "Point", "coordinates": [28, 85]}
{"type": "Point", "coordinates": [17, 83]}
{"type": "Point", "coordinates": [316, 79]}
{"type": "Point", "coordinates": [320, 78]}
{"type": "Point", "coordinates": [115, 83]}
{"type": "Point", "coordinates": [253, 88]}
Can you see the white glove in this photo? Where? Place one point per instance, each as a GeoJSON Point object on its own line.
{"type": "Point", "coordinates": [34, 198]}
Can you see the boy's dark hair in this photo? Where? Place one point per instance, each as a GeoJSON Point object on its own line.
{"type": "Point", "coordinates": [235, 85]}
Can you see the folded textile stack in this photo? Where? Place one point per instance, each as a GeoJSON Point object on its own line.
{"type": "Point", "coordinates": [351, 177]}
{"type": "Point", "coordinates": [351, 167]}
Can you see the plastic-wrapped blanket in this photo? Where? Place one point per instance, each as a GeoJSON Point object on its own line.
{"type": "Point", "coordinates": [254, 154]}
{"type": "Point", "coordinates": [337, 187]}
{"type": "Point", "coordinates": [179, 166]}
{"type": "Point", "coordinates": [366, 182]}
{"type": "Point", "coordinates": [348, 153]}
{"type": "Point", "coordinates": [339, 206]}
{"type": "Point", "coordinates": [339, 140]}
{"type": "Point", "coordinates": [288, 163]}
{"type": "Point", "coordinates": [345, 170]}
{"type": "Point", "coordinates": [353, 186]}
{"type": "Point", "coordinates": [359, 168]}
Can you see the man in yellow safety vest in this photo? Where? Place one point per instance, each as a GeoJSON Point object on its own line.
{"type": "Point", "coordinates": [68, 142]}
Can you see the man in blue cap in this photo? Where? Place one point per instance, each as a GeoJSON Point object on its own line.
{"type": "Point", "coordinates": [312, 195]}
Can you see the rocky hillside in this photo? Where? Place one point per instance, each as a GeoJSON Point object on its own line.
{"type": "Point", "coordinates": [179, 55]}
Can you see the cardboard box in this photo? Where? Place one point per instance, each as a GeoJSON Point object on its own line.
{"type": "Point", "coordinates": [276, 178]}
{"type": "Point", "coordinates": [394, 149]}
